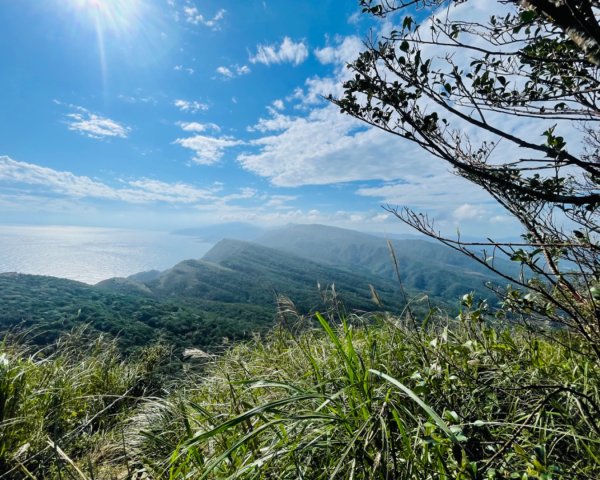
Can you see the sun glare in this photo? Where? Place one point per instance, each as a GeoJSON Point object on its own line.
{"type": "Point", "coordinates": [116, 15]}
{"type": "Point", "coordinates": [120, 19]}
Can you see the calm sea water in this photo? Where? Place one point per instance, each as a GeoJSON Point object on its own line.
{"type": "Point", "coordinates": [92, 254]}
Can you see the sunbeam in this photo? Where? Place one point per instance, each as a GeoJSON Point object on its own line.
{"type": "Point", "coordinates": [117, 15]}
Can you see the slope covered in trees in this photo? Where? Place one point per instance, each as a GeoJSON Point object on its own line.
{"type": "Point", "coordinates": [232, 292]}
{"type": "Point", "coordinates": [424, 266]}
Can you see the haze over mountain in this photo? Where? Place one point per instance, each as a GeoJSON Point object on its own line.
{"type": "Point", "coordinates": [244, 272]}
{"type": "Point", "coordinates": [214, 233]}
{"type": "Point", "coordinates": [424, 266]}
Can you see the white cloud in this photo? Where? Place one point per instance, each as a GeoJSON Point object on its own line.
{"type": "Point", "coordinates": [207, 150]}
{"type": "Point", "coordinates": [287, 52]}
{"type": "Point", "coordinates": [341, 150]}
{"type": "Point", "coordinates": [192, 15]}
{"type": "Point", "coordinates": [355, 18]}
{"type": "Point", "coordinates": [276, 122]}
{"type": "Point", "coordinates": [26, 187]}
{"type": "Point", "coordinates": [29, 187]}
{"type": "Point", "coordinates": [225, 72]}
{"type": "Point", "coordinates": [270, 214]}
{"type": "Point", "coordinates": [430, 187]}
{"type": "Point", "coordinates": [50, 181]}
{"type": "Point", "coordinates": [190, 106]}
{"type": "Point", "coordinates": [95, 126]}
{"type": "Point", "coordinates": [278, 104]}
{"type": "Point", "coordinates": [280, 202]}
{"type": "Point", "coordinates": [155, 190]}
{"type": "Point", "coordinates": [233, 71]}
{"type": "Point", "coordinates": [346, 50]}
{"type": "Point", "coordinates": [468, 211]}
{"type": "Point", "coordinates": [198, 127]}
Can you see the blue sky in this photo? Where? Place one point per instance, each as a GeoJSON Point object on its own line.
{"type": "Point", "coordinates": [177, 113]}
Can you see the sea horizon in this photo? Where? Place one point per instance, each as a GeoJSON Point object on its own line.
{"type": "Point", "coordinates": [92, 254]}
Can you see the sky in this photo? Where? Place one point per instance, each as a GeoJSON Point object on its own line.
{"type": "Point", "coordinates": [169, 114]}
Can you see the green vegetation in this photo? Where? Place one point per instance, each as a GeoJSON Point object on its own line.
{"type": "Point", "coordinates": [496, 393]}
{"type": "Point", "coordinates": [425, 266]}
{"type": "Point", "coordinates": [65, 398]}
{"type": "Point", "coordinates": [458, 87]}
{"type": "Point", "coordinates": [49, 306]}
{"type": "Point", "coordinates": [231, 293]}
{"type": "Point", "coordinates": [361, 397]}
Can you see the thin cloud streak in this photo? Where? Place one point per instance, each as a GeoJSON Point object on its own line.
{"type": "Point", "coordinates": [95, 126]}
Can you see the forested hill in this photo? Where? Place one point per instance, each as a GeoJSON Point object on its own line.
{"type": "Point", "coordinates": [424, 266]}
{"type": "Point", "coordinates": [241, 271]}
{"type": "Point", "coordinates": [231, 292]}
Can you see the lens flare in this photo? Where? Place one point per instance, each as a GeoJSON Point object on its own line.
{"type": "Point", "coordinates": [110, 19]}
{"type": "Point", "coordinates": [115, 15]}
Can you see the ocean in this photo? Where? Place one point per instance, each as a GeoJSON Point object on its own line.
{"type": "Point", "coordinates": [89, 254]}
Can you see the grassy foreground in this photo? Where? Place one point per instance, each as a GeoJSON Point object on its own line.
{"type": "Point", "coordinates": [358, 397]}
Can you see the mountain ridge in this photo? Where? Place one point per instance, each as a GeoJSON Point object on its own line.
{"type": "Point", "coordinates": [232, 290]}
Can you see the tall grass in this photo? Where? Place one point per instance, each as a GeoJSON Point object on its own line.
{"type": "Point", "coordinates": [459, 400]}
{"type": "Point", "coordinates": [357, 397]}
{"type": "Point", "coordinates": [62, 402]}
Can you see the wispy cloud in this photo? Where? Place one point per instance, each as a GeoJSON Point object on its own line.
{"type": "Point", "coordinates": [138, 99]}
{"type": "Point", "coordinates": [384, 167]}
{"type": "Point", "coordinates": [233, 71]}
{"type": "Point", "coordinates": [276, 122]}
{"type": "Point", "coordinates": [190, 106]}
{"type": "Point", "coordinates": [341, 150]}
{"type": "Point", "coordinates": [50, 181]}
{"type": "Point", "coordinates": [193, 16]}
{"type": "Point", "coordinates": [287, 52]}
{"type": "Point", "coordinates": [93, 125]}
{"type": "Point", "coordinates": [181, 68]}
{"type": "Point", "coordinates": [30, 187]}
{"type": "Point", "coordinates": [199, 127]}
{"type": "Point", "coordinates": [208, 150]}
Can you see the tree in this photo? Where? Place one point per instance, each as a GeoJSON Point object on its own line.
{"type": "Point", "coordinates": [536, 61]}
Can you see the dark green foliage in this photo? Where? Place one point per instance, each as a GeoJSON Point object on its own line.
{"type": "Point", "coordinates": [49, 306]}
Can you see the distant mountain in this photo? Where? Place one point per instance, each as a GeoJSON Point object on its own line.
{"type": "Point", "coordinates": [243, 272]}
{"type": "Point", "coordinates": [231, 292]}
{"type": "Point", "coordinates": [424, 266]}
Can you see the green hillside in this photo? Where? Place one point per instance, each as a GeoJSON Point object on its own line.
{"type": "Point", "coordinates": [424, 266]}
{"type": "Point", "coordinates": [234, 271]}
{"type": "Point", "coordinates": [373, 400]}
{"type": "Point", "coordinates": [48, 307]}
{"type": "Point", "coordinates": [229, 294]}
